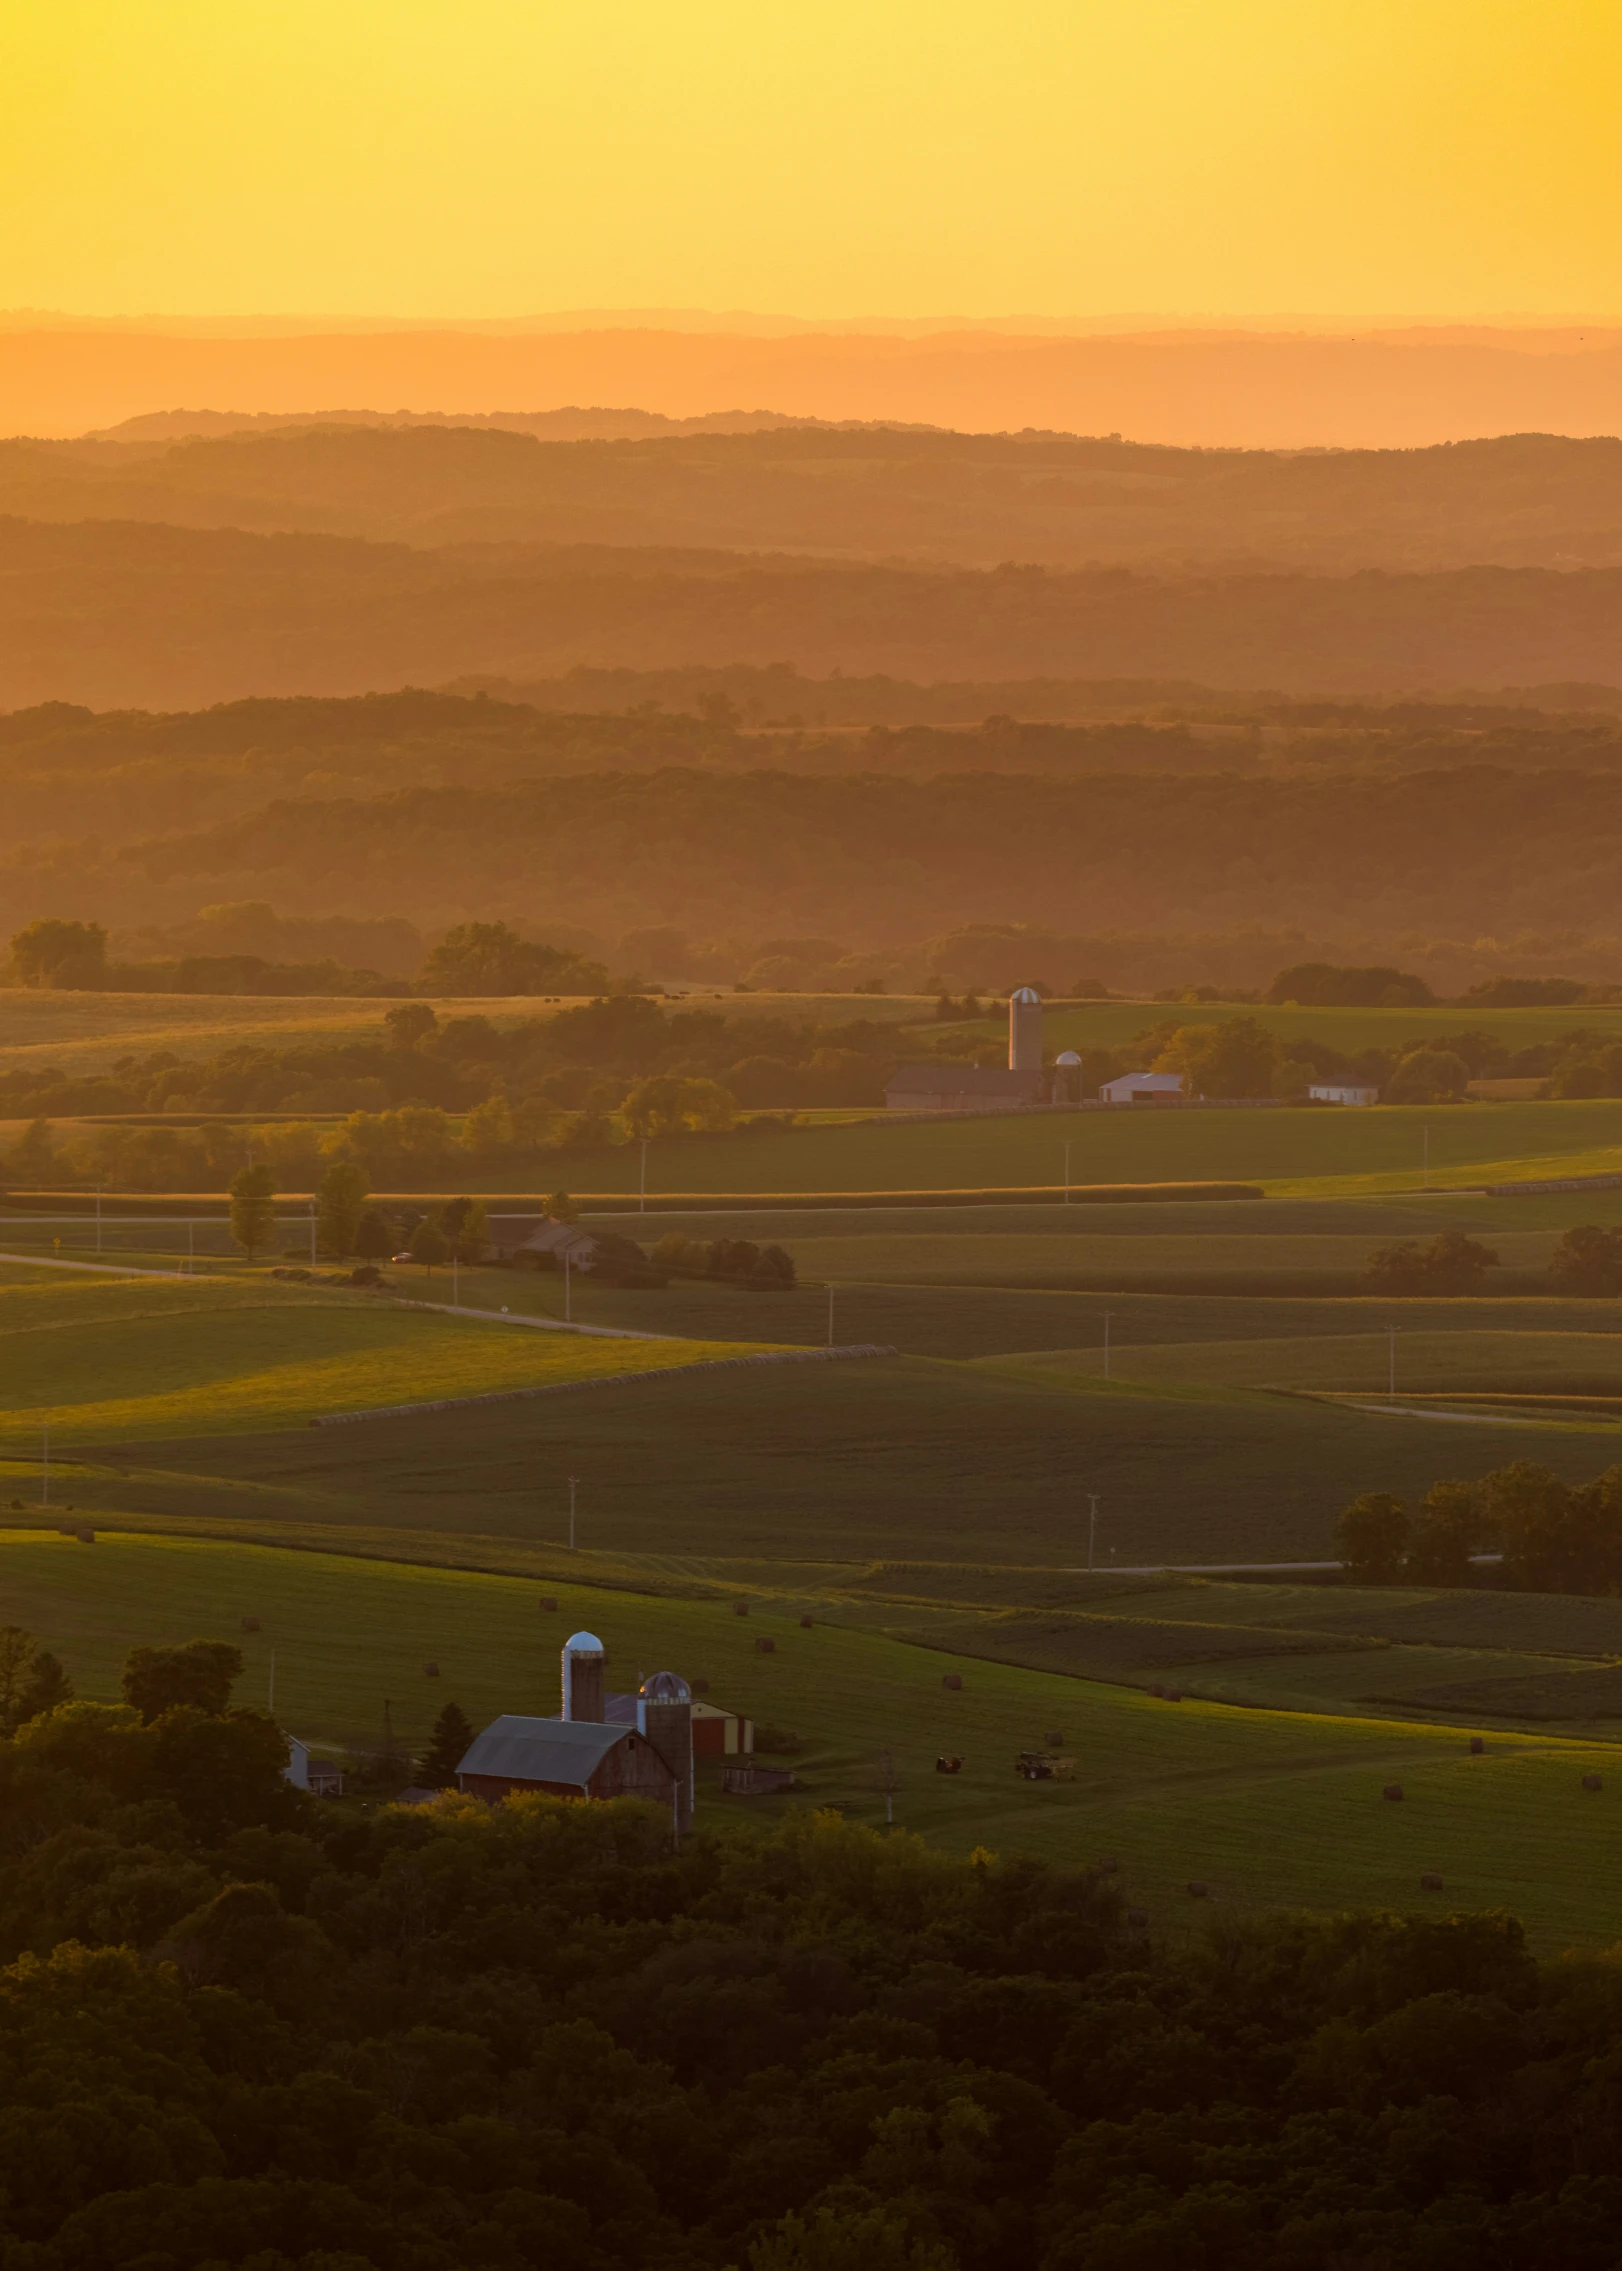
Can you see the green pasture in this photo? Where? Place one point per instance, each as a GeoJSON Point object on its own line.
{"type": "Point", "coordinates": [1264, 1807]}
{"type": "Point", "coordinates": [101, 1359]}
{"type": "Point", "coordinates": [1115, 1024]}
{"type": "Point", "coordinates": [1432, 1357]}
{"type": "Point", "coordinates": [901, 1457]}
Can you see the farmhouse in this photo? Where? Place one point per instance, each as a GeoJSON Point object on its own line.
{"type": "Point", "coordinates": [1143, 1088]}
{"type": "Point", "coordinates": [1331, 1093]}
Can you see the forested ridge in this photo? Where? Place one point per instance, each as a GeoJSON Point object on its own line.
{"type": "Point", "coordinates": [968, 498]}
{"type": "Point", "coordinates": [242, 2031]}
{"type": "Point", "coordinates": [874, 855]}
{"type": "Point", "coordinates": [113, 612]}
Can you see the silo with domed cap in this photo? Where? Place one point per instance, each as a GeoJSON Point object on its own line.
{"type": "Point", "coordinates": [583, 1677]}
{"type": "Point", "coordinates": [1025, 1030]}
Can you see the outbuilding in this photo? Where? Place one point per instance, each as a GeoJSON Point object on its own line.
{"type": "Point", "coordinates": [1143, 1088]}
{"type": "Point", "coordinates": [1334, 1093]}
{"type": "Point", "coordinates": [962, 1088]}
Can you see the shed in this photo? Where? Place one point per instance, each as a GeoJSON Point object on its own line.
{"type": "Point", "coordinates": [570, 1758]}
{"type": "Point", "coordinates": [1331, 1092]}
{"type": "Point", "coordinates": [1143, 1088]}
{"type": "Point", "coordinates": [716, 1733]}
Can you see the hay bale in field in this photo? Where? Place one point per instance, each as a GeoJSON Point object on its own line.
{"type": "Point", "coordinates": [1109, 1866]}
{"type": "Point", "coordinates": [952, 1681]}
{"type": "Point", "coordinates": [1592, 1782]}
{"type": "Point", "coordinates": [698, 1687]}
{"type": "Point", "coordinates": [1174, 1695]}
{"type": "Point", "coordinates": [250, 1624]}
{"type": "Point", "coordinates": [1430, 1882]}
{"type": "Point", "coordinates": [1157, 1689]}
{"type": "Point", "coordinates": [85, 1537]}
{"type": "Point", "coordinates": [1198, 1889]}
{"type": "Point", "coordinates": [1054, 1742]}
{"type": "Point", "coordinates": [765, 1647]}
{"type": "Point", "coordinates": [430, 1670]}
{"type": "Point", "coordinates": [1137, 1918]}
{"type": "Point", "coordinates": [549, 1601]}
{"type": "Point", "coordinates": [806, 1623]}
{"type": "Point", "coordinates": [1392, 1790]}
{"type": "Point", "coordinates": [740, 1608]}
{"type": "Point", "coordinates": [1477, 1746]}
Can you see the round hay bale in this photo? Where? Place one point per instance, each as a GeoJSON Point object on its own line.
{"type": "Point", "coordinates": [698, 1686]}
{"type": "Point", "coordinates": [1137, 1918]}
{"type": "Point", "coordinates": [740, 1608]}
{"type": "Point", "coordinates": [1477, 1746]}
{"type": "Point", "coordinates": [1592, 1782]}
{"type": "Point", "coordinates": [549, 1601]}
{"type": "Point", "coordinates": [1054, 1742]}
{"type": "Point", "coordinates": [1392, 1790]}
{"type": "Point", "coordinates": [1174, 1695]}
{"type": "Point", "coordinates": [250, 1624]}
{"type": "Point", "coordinates": [1198, 1889]}
{"type": "Point", "coordinates": [806, 1623]}
{"type": "Point", "coordinates": [1157, 1689]}
{"type": "Point", "coordinates": [765, 1647]}
{"type": "Point", "coordinates": [952, 1680]}
{"type": "Point", "coordinates": [85, 1537]}
{"type": "Point", "coordinates": [430, 1670]}
{"type": "Point", "coordinates": [1109, 1866]}
{"type": "Point", "coordinates": [1430, 1882]}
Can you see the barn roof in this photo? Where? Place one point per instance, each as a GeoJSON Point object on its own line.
{"type": "Point", "coordinates": [542, 1750]}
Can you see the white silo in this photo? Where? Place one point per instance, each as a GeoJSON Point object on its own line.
{"type": "Point", "coordinates": [583, 1678]}
{"type": "Point", "coordinates": [1024, 1030]}
{"type": "Point", "coordinates": [1067, 1077]}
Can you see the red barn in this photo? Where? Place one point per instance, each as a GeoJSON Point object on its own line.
{"type": "Point", "coordinates": [570, 1758]}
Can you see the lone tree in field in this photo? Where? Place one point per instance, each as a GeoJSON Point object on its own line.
{"type": "Point", "coordinates": [1373, 1536]}
{"type": "Point", "coordinates": [449, 1744]}
{"type": "Point", "coordinates": [374, 1236]}
{"type": "Point", "coordinates": [340, 1204]}
{"type": "Point", "coordinates": [200, 1673]}
{"type": "Point", "coordinates": [1447, 1263]}
{"type": "Point", "coordinates": [253, 1209]}
{"type": "Point", "coordinates": [1588, 1260]}
{"type": "Point", "coordinates": [54, 953]}
{"type": "Point", "coordinates": [429, 1244]}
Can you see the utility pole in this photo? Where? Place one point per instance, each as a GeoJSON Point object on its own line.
{"type": "Point", "coordinates": [191, 1247]}
{"type": "Point", "coordinates": [830, 1314]}
{"type": "Point", "coordinates": [1067, 1174]}
{"type": "Point", "coordinates": [568, 1314]}
{"type": "Point", "coordinates": [1106, 1344]}
{"type": "Point", "coordinates": [312, 1233]}
{"type": "Point", "coordinates": [1391, 1378]}
{"type": "Point", "coordinates": [572, 1481]}
{"type": "Point", "coordinates": [1427, 1159]}
{"type": "Point", "coordinates": [1092, 1525]}
{"type": "Point", "coordinates": [642, 1185]}
{"type": "Point", "coordinates": [270, 1701]}
{"type": "Point", "coordinates": [456, 1281]}
{"type": "Point", "coordinates": [100, 1187]}
{"type": "Point", "coordinates": [45, 1469]}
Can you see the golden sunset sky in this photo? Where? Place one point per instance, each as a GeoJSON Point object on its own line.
{"type": "Point", "coordinates": [829, 157]}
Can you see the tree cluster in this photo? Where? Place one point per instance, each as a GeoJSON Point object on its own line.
{"type": "Point", "coordinates": [1553, 1537]}
{"type": "Point", "coordinates": [1449, 1263]}
{"type": "Point", "coordinates": [731, 1261]}
{"type": "Point", "coordinates": [244, 2031]}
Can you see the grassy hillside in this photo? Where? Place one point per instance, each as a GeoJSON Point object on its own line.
{"type": "Point", "coordinates": [100, 1361]}
{"type": "Point", "coordinates": [1265, 1807]}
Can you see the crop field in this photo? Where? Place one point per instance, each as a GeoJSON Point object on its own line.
{"type": "Point", "coordinates": [101, 1360]}
{"type": "Point", "coordinates": [1114, 1024]}
{"type": "Point", "coordinates": [1304, 1151]}
{"type": "Point", "coordinates": [1263, 1807]}
{"type": "Point", "coordinates": [1431, 1361]}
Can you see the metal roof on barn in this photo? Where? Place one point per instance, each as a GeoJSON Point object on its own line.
{"type": "Point", "coordinates": [542, 1750]}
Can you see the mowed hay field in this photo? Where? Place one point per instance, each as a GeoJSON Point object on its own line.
{"type": "Point", "coordinates": [1265, 1808]}
{"type": "Point", "coordinates": [101, 1360]}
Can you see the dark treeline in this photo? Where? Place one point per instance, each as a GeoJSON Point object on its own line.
{"type": "Point", "coordinates": [1522, 499]}
{"type": "Point", "coordinates": [244, 2031]}
{"type": "Point", "coordinates": [119, 613]}
{"type": "Point", "coordinates": [1551, 1536]}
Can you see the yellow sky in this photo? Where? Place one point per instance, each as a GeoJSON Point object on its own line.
{"type": "Point", "coordinates": [827, 157]}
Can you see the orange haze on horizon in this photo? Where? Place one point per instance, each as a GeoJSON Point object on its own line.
{"type": "Point", "coordinates": [1061, 156]}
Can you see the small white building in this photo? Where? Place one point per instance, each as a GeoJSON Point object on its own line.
{"type": "Point", "coordinates": [1143, 1088]}
{"type": "Point", "coordinates": [1333, 1093]}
